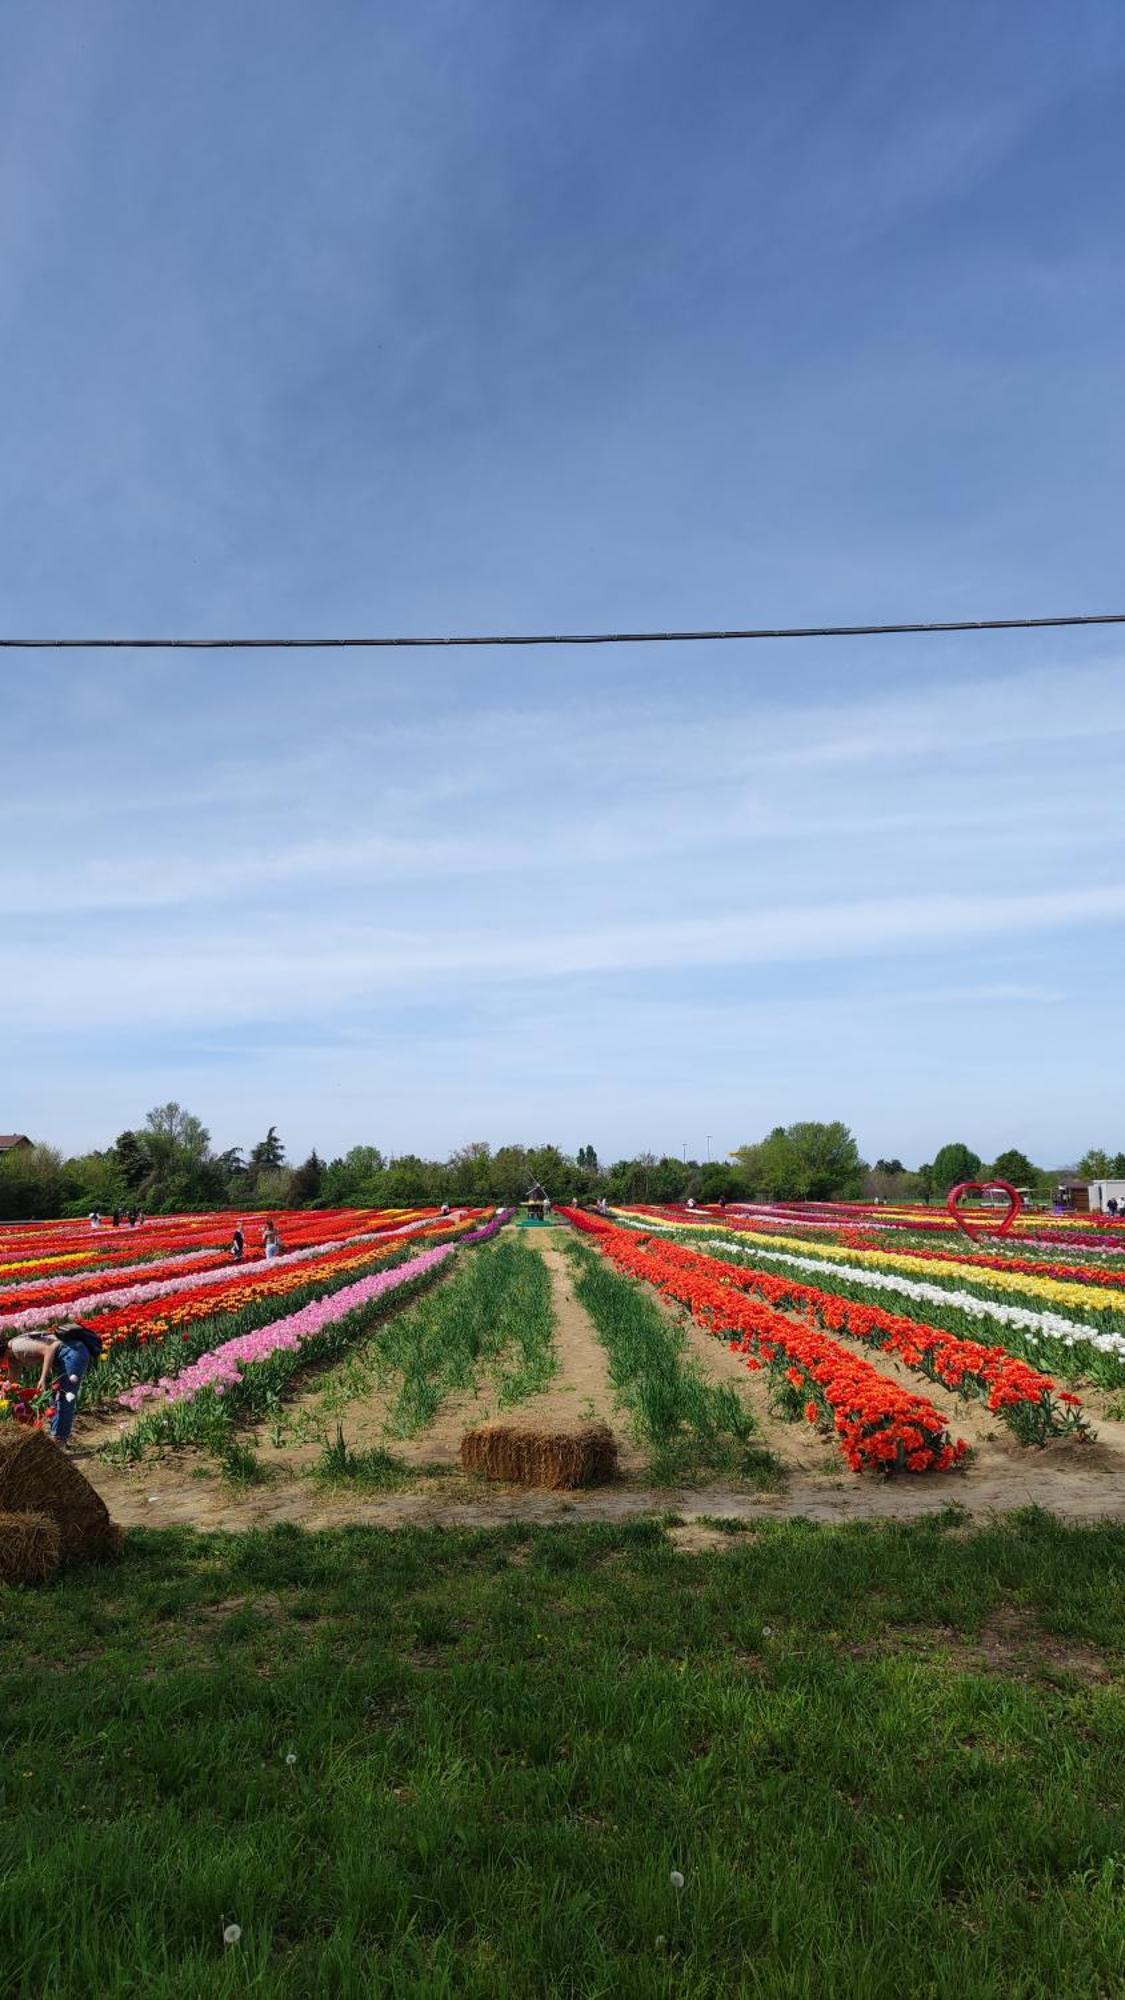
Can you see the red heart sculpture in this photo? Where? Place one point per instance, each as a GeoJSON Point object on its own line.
{"type": "Point", "coordinates": [1015, 1201]}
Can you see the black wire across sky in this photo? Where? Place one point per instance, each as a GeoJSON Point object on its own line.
{"type": "Point", "coordinates": [454, 639]}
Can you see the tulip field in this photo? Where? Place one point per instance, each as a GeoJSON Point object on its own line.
{"type": "Point", "coordinates": [177, 1314]}
{"type": "Point", "coordinates": [895, 1336]}
{"type": "Point", "coordinates": [1027, 1327]}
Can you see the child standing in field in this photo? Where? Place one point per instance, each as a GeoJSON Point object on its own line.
{"type": "Point", "coordinates": [238, 1244]}
{"type": "Point", "coordinates": [271, 1242]}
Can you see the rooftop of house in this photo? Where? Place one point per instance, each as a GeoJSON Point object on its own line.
{"type": "Point", "coordinates": [10, 1140]}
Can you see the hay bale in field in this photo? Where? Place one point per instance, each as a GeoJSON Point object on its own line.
{"type": "Point", "coordinates": [584, 1455]}
{"type": "Point", "coordinates": [30, 1548]}
{"type": "Point", "coordinates": [37, 1478]}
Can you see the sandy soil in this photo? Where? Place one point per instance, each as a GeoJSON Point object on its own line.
{"type": "Point", "coordinates": [1075, 1481]}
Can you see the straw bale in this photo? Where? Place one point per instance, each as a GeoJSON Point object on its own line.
{"type": "Point", "coordinates": [36, 1477]}
{"type": "Point", "coordinates": [581, 1455]}
{"type": "Point", "coordinates": [30, 1548]}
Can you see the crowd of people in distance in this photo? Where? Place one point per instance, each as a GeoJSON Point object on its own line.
{"type": "Point", "coordinates": [132, 1216]}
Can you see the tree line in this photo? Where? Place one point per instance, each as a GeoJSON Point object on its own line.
{"type": "Point", "coordinates": [168, 1164]}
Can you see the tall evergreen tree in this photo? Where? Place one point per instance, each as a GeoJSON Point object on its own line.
{"type": "Point", "coordinates": [268, 1153]}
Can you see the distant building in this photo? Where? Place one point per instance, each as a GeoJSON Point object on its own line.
{"type": "Point", "coordinates": [1089, 1197]}
{"type": "Point", "coordinates": [1101, 1193]}
{"type": "Point", "coordinates": [1073, 1194]}
{"type": "Point", "coordinates": [12, 1142]}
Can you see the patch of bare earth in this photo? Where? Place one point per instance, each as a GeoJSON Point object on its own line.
{"type": "Point", "coordinates": [697, 1538]}
{"type": "Point", "coordinates": [1009, 1643]}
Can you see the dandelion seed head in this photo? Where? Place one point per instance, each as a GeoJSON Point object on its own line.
{"type": "Point", "coordinates": [231, 1933]}
{"type": "Point", "coordinates": [676, 1879]}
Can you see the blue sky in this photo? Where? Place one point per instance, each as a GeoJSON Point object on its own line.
{"type": "Point", "coordinates": [437, 317]}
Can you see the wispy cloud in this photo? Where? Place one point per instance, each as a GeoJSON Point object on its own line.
{"type": "Point", "coordinates": [555, 318]}
{"type": "Point", "coordinates": [201, 983]}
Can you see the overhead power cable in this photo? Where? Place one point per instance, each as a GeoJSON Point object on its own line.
{"type": "Point", "coordinates": [389, 641]}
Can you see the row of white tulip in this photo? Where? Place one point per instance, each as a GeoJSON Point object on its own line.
{"type": "Point", "coordinates": [1036, 1325]}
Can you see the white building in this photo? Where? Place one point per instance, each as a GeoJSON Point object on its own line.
{"type": "Point", "coordinates": [1103, 1192]}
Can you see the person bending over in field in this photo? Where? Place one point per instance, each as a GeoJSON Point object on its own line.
{"type": "Point", "coordinates": [64, 1356]}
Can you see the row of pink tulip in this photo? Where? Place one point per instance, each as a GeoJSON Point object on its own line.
{"type": "Point", "coordinates": [222, 1367]}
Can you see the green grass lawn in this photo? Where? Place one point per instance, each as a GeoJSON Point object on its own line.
{"type": "Point", "coordinates": [885, 1761]}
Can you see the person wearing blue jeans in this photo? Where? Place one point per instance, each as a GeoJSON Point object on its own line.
{"type": "Point", "coordinates": [73, 1362]}
{"type": "Point", "coordinates": [67, 1355]}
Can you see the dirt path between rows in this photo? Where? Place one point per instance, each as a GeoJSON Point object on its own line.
{"type": "Point", "coordinates": [185, 1486]}
{"type": "Point", "coordinates": [580, 1390]}
{"type": "Point", "coordinates": [1075, 1481]}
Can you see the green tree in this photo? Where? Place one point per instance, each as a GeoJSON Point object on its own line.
{"type": "Point", "coordinates": [718, 1182]}
{"type": "Point", "coordinates": [1015, 1167]}
{"type": "Point", "coordinates": [808, 1161]}
{"type": "Point", "coordinates": [132, 1160]}
{"type": "Point", "coordinates": [552, 1169]}
{"type": "Point", "coordinates": [268, 1154]}
{"type": "Point", "coordinates": [632, 1180]}
{"type": "Point", "coordinates": [667, 1180]}
{"type": "Point", "coordinates": [586, 1173]}
{"type": "Point", "coordinates": [408, 1181]}
{"type": "Point", "coordinates": [271, 1187]}
{"type": "Point", "coordinates": [511, 1175]}
{"type": "Point", "coordinates": [953, 1164]}
{"type": "Point", "coordinates": [782, 1173]}
{"type": "Point", "coordinates": [1095, 1165]}
{"type": "Point", "coordinates": [182, 1171]}
{"type": "Point", "coordinates": [307, 1180]}
{"type": "Point", "coordinates": [468, 1173]}
{"type": "Point", "coordinates": [748, 1162]}
{"type": "Point", "coordinates": [172, 1132]}
{"type": "Point", "coordinates": [93, 1180]}
{"type": "Point", "coordinates": [887, 1180]}
{"type": "Point", "coordinates": [232, 1168]}
{"type": "Point", "coordinates": [355, 1180]}
{"type": "Point", "coordinates": [32, 1184]}
{"type": "Point", "coordinates": [830, 1158]}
